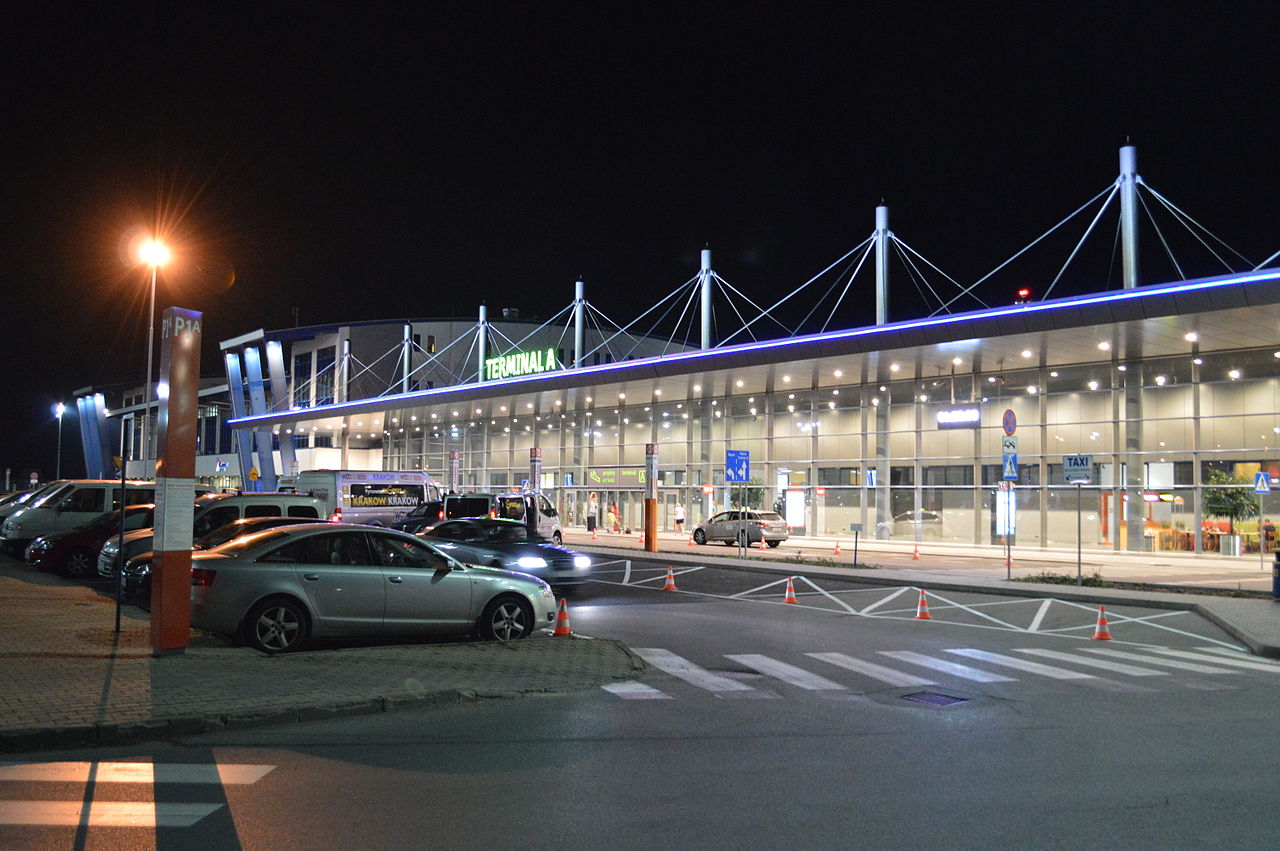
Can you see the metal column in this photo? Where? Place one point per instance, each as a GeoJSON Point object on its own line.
{"type": "Point", "coordinates": [882, 264]}
{"type": "Point", "coordinates": [1129, 214]}
{"type": "Point", "coordinates": [579, 331]}
{"type": "Point", "coordinates": [704, 275]}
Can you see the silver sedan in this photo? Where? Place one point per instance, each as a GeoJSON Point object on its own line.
{"type": "Point", "coordinates": [280, 588]}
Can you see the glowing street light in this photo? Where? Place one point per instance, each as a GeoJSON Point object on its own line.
{"type": "Point", "coordinates": [155, 254]}
{"type": "Point", "coordinates": [58, 410]}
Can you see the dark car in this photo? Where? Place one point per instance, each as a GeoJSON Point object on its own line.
{"type": "Point", "coordinates": [137, 573]}
{"type": "Point", "coordinates": [494, 542]}
{"type": "Point", "coordinates": [423, 518]}
{"type": "Point", "coordinates": [75, 552]}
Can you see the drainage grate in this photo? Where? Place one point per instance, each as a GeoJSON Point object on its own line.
{"type": "Point", "coordinates": [933, 698]}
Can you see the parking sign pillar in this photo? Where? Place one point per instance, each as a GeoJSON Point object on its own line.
{"type": "Point", "coordinates": [175, 481]}
{"type": "Point", "coordinates": [651, 497]}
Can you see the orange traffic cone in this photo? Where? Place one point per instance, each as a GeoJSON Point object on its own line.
{"type": "Point", "coordinates": [922, 608]}
{"type": "Point", "coordinates": [671, 581]}
{"type": "Point", "coordinates": [837, 546]}
{"type": "Point", "coordinates": [790, 596]}
{"type": "Point", "coordinates": [915, 556]}
{"type": "Point", "coordinates": [594, 534]}
{"type": "Point", "coordinates": [691, 542]}
{"type": "Point", "coordinates": [562, 620]}
{"type": "Point", "coordinates": [1100, 632]}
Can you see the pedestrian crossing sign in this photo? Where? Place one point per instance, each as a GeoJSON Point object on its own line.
{"type": "Point", "coordinates": [1010, 467]}
{"type": "Point", "coordinates": [1261, 483]}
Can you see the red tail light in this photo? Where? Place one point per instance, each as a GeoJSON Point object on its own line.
{"type": "Point", "coordinates": [336, 516]}
{"type": "Point", "coordinates": [440, 514]}
{"type": "Point", "coordinates": [202, 576]}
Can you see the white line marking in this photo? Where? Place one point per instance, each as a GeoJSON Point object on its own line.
{"type": "Point", "coordinates": [781, 581]}
{"type": "Point", "coordinates": [1219, 660]}
{"type": "Point", "coordinates": [1021, 664]}
{"type": "Point", "coordinates": [663, 575]}
{"type": "Point", "coordinates": [878, 603]}
{"type": "Point", "coordinates": [787, 673]}
{"type": "Point", "coordinates": [632, 690]}
{"type": "Point", "coordinates": [871, 669]}
{"type": "Point", "coordinates": [1152, 660]}
{"type": "Point", "coordinates": [626, 574]}
{"type": "Point", "coordinates": [1117, 667]}
{"type": "Point", "coordinates": [1040, 613]}
{"type": "Point", "coordinates": [133, 772]}
{"type": "Point", "coordinates": [850, 609]}
{"type": "Point", "coordinates": [974, 611]}
{"type": "Point", "coordinates": [103, 813]}
{"type": "Point", "coordinates": [665, 660]}
{"type": "Point", "coordinates": [953, 668]}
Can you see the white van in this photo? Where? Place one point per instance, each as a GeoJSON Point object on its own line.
{"type": "Point", "coordinates": [367, 496]}
{"type": "Point", "coordinates": [68, 505]}
{"type": "Point", "coordinates": [534, 510]}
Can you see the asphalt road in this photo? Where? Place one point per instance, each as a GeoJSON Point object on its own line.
{"type": "Point", "coordinates": [739, 737]}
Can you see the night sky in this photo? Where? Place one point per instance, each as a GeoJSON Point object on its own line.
{"type": "Point", "coordinates": [391, 161]}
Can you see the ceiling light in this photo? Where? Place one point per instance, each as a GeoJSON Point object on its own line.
{"type": "Point", "coordinates": [1026, 353]}
{"type": "Point", "coordinates": [1191, 336]}
{"type": "Point", "coordinates": [1104, 346]}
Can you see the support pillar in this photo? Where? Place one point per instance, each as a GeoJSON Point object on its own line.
{"type": "Point", "coordinates": [579, 327]}
{"type": "Point", "coordinates": [704, 276]}
{"type": "Point", "coordinates": [882, 264]}
{"type": "Point", "coordinates": [1129, 214]}
{"type": "Point", "coordinates": [482, 343]}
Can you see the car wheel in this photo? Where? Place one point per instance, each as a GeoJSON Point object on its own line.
{"type": "Point", "coordinates": [556, 539]}
{"type": "Point", "coordinates": [506, 619]}
{"type": "Point", "coordinates": [276, 626]}
{"type": "Point", "coordinates": [78, 564]}
{"type": "Point", "coordinates": [699, 536]}
{"type": "Point", "coordinates": [773, 544]}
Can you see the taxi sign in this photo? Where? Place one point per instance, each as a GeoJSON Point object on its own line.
{"type": "Point", "coordinates": [1077, 468]}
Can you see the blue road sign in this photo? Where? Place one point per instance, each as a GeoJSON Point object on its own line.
{"type": "Point", "coordinates": [1010, 467]}
{"type": "Point", "coordinates": [737, 465]}
{"type": "Point", "coordinates": [1261, 483]}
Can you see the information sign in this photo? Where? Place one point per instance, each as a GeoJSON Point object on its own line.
{"type": "Point", "coordinates": [737, 465]}
{"type": "Point", "coordinates": [1077, 469]}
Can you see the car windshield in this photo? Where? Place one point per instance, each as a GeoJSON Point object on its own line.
{"type": "Point", "coordinates": [49, 493]}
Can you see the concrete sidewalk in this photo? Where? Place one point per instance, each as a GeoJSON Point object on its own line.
{"type": "Point", "coordinates": [71, 680]}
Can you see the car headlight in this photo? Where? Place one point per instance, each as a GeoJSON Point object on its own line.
{"type": "Point", "coordinates": [581, 561]}
{"type": "Point", "coordinates": [13, 527]}
{"type": "Point", "coordinates": [531, 561]}
{"type": "Point", "coordinates": [545, 591]}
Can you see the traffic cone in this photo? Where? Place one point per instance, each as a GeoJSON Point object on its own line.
{"type": "Point", "coordinates": [915, 556]}
{"type": "Point", "coordinates": [1100, 632]}
{"type": "Point", "coordinates": [671, 581]}
{"type": "Point", "coordinates": [691, 541]}
{"type": "Point", "coordinates": [562, 621]}
{"type": "Point", "coordinates": [837, 546]}
{"type": "Point", "coordinates": [791, 592]}
{"type": "Point", "coordinates": [922, 608]}
{"type": "Point", "coordinates": [594, 534]}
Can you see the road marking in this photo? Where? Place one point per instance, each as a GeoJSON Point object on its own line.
{"type": "Point", "coordinates": [1106, 665]}
{"type": "Point", "coordinates": [665, 660]}
{"type": "Point", "coordinates": [878, 603]}
{"type": "Point", "coordinates": [871, 669]}
{"type": "Point", "coordinates": [953, 668]}
{"type": "Point", "coordinates": [1269, 667]}
{"type": "Point", "coordinates": [133, 772]}
{"type": "Point", "coordinates": [632, 690]}
{"type": "Point", "coordinates": [103, 813]}
{"type": "Point", "coordinates": [1040, 613]}
{"type": "Point", "coordinates": [1152, 660]}
{"type": "Point", "coordinates": [1021, 664]}
{"type": "Point", "coordinates": [787, 673]}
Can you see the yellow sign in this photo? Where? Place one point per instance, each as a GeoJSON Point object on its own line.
{"type": "Point", "coordinates": [253, 474]}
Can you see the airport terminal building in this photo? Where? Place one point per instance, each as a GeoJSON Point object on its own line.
{"type": "Point", "coordinates": [949, 429]}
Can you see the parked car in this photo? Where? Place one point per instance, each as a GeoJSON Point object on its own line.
{"type": "Point", "coordinates": [421, 519]}
{"type": "Point", "coordinates": [75, 552]}
{"type": "Point", "coordinates": [280, 588]}
{"type": "Point", "coordinates": [532, 509]}
{"type": "Point", "coordinates": [75, 502]}
{"type": "Point", "coordinates": [903, 526]}
{"type": "Point", "coordinates": [14, 502]}
{"type": "Point", "coordinates": [136, 580]}
{"type": "Point", "coordinates": [495, 542]}
{"type": "Point", "coordinates": [212, 512]}
{"type": "Point", "coordinates": [377, 497]}
{"type": "Point", "coordinates": [743, 526]}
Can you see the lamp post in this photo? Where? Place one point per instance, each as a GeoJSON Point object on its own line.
{"type": "Point", "coordinates": [59, 410]}
{"type": "Point", "coordinates": [155, 254]}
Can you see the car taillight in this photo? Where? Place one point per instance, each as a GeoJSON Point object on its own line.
{"type": "Point", "coordinates": [762, 524]}
{"type": "Point", "coordinates": [336, 516]}
{"type": "Point", "coordinates": [440, 514]}
{"type": "Point", "coordinates": [202, 576]}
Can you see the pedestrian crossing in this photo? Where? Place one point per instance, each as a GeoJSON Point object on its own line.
{"type": "Point", "coordinates": [82, 810]}
{"type": "Point", "coordinates": [755, 675]}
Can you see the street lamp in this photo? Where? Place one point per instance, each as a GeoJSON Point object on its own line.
{"type": "Point", "coordinates": [59, 410]}
{"type": "Point", "coordinates": [155, 254]}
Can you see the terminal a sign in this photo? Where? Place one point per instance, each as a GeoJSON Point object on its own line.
{"type": "Point", "coordinates": [520, 363]}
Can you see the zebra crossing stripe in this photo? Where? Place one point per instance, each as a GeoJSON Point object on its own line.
{"type": "Point", "coordinates": [1105, 664]}
{"type": "Point", "coordinates": [133, 772]}
{"type": "Point", "coordinates": [871, 669]}
{"type": "Point", "coordinates": [787, 673]}
{"type": "Point", "coordinates": [632, 690]}
{"type": "Point", "coordinates": [677, 666]}
{"type": "Point", "coordinates": [1153, 660]}
{"type": "Point", "coordinates": [955, 669]}
{"type": "Point", "coordinates": [1252, 664]}
{"type": "Point", "coordinates": [1021, 664]}
{"type": "Point", "coordinates": [103, 813]}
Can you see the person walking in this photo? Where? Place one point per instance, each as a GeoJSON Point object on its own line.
{"type": "Point", "coordinates": [679, 518]}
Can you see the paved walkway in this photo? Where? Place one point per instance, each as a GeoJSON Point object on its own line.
{"type": "Point", "coordinates": [70, 679]}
